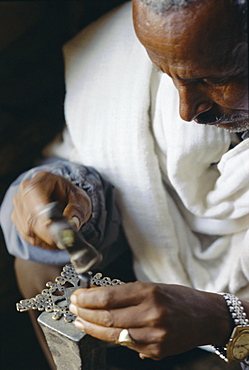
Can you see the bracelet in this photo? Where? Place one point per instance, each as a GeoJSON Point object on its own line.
{"type": "Point", "coordinates": [236, 309]}
{"type": "Point", "coordinates": [239, 317]}
{"type": "Point", "coordinates": [246, 361]}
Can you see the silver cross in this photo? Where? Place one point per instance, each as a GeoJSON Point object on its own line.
{"type": "Point", "coordinates": [70, 347]}
{"type": "Point", "coordinates": [56, 298]}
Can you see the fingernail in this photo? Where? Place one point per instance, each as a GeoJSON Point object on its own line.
{"type": "Point", "coordinates": [73, 299]}
{"type": "Point", "coordinates": [74, 221]}
{"type": "Point", "coordinates": [73, 309]}
{"type": "Point", "coordinates": [142, 356]}
{"type": "Point", "coordinates": [78, 324]}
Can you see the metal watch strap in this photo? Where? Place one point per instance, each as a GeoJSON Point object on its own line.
{"type": "Point", "coordinates": [239, 317]}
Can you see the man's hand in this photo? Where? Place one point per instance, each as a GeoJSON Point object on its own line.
{"type": "Point", "coordinates": [162, 319]}
{"type": "Point", "coordinates": [37, 192]}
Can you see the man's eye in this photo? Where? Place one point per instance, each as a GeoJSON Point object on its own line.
{"type": "Point", "coordinates": [214, 81]}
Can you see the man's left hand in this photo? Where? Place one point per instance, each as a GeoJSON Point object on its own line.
{"type": "Point", "coordinates": [162, 319]}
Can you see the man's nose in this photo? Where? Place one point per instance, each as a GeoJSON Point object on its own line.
{"type": "Point", "coordinates": [192, 102]}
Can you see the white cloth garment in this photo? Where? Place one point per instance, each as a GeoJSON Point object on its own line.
{"type": "Point", "coordinates": [183, 195]}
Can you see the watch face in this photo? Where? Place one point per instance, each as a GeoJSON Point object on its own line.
{"type": "Point", "coordinates": [241, 346]}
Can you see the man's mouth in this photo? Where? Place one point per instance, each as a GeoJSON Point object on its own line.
{"type": "Point", "coordinates": [234, 123]}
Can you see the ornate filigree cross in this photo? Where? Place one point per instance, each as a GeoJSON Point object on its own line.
{"type": "Point", "coordinates": [56, 298]}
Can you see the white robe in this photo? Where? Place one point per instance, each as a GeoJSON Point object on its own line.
{"type": "Point", "coordinates": [183, 196]}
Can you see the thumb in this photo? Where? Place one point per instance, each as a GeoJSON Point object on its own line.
{"type": "Point", "coordinates": [79, 209]}
{"type": "Point", "coordinates": [75, 222]}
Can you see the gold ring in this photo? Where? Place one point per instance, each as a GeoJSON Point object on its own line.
{"type": "Point", "coordinates": [125, 339]}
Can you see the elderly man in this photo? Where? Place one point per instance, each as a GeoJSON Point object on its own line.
{"type": "Point", "coordinates": [182, 188]}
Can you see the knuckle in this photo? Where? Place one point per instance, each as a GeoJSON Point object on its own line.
{"type": "Point", "coordinates": [42, 175]}
{"type": "Point", "coordinates": [113, 337]}
{"type": "Point", "coordinates": [158, 353]}
{"type": "Point", "coordinates": [107, 319]}
{"type": "Point", "coordinates": [150, 290]}
{"type": "Point", "coordinates": [155, 316]}
{"type": "Point", "coordinates": [158, 336]}
{"type": "Point", "coordinates": [36, 181]}
{"type": "Point", "coordinates": [162, 336]}
{"type": "Point", "coordinates": [26, 187]}
{"type": "Point", "coordinates": [154, 290]}
{"type": "Point", "coordinates": [29, 225]}
{"type": "Point", "coordinates": [158, 316]}
{"type": "Point", "coordinates": [141, 287]}
{"type": "Point", "coordinates": [104, 298]}
{"type": "Point", "coordinates": [88, 328]}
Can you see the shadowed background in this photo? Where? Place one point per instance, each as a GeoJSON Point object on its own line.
{"type": "Point", "coordinates": [31, 114]}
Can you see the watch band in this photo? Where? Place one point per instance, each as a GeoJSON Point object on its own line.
{"type": "Point", "coordinates": [239, 317]}
{"type": "Point", "coordinates": [246, 363]}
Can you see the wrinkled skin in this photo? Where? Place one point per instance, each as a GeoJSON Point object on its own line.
{"type": "Point", "coordinates": [162, 319]}
{"type": "Point", "coordinates": [168, 319]}
{"type": "Point", "coordinates": [201, 48]}
{"type": "Point", "coordinates": [37, 192]}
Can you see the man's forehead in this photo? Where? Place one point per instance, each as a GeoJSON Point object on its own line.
{"type": "Point", "coordinates": [197, 14]}
{"type": "Point", "coordinates": [205, 29]}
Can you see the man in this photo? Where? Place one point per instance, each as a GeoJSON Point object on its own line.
{"type": "Point", "coordinates": [182, 193]}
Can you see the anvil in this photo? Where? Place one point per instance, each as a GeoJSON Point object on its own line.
{"type": "Point", "coordinates": [70, 347]}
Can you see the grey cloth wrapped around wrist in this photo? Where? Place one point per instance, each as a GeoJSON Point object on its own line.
{"type": "Point", "coordinates": [103, 230]}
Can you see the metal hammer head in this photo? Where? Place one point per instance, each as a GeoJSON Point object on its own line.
{"type": "Point", "coordinates": [83, 255]}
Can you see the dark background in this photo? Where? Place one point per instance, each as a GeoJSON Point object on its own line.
{"type": "Point", "coordinates": [31, 115]}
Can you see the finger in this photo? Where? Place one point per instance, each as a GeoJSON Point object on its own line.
{"type": "Point", "coordinates": [31, 227]}
{"type": "Point", "coordinates": [79, 207]}
{"type": "Point", "coordinates": [97, 331]}
{"type": "Point", "coordinates": [118, 318]}
{"type": "Point", "coordinates": [142, 335]}
{"type": "Point", "coordinates": [28, 203]}
{"type": "Point", "coordinates": [37, 191]}
{"type": "Point", "coordinates": [117, 296]}
{"type": "Point", "coordinates": [143, 356]}
{"type": "Point", "coordinates": [112, 335]}
{"type": "Point", "coordinates": [25, 225]}
{"type": "Point", "coordinates": [75, 222]}
{"type": "Point", "coordinates": [76, 201]}
{"type": "Point", "coordinates": [31, 238]}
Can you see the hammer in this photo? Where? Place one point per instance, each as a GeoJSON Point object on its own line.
{"type": "Point", "coordinates": [83, 255]}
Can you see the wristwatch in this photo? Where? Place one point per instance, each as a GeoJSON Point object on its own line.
{"type": "Point", "coordinates": [237, 348]}
{"type": "Point", "coordinates": [238, 345]}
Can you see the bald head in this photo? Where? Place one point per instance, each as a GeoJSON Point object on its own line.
{"type": "Point", "coordinates": [161, 6]}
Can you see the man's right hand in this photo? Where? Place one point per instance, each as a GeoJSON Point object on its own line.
{"type": "Point", "coordinates": [37, 192]}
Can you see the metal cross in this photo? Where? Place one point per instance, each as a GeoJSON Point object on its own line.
{"type": "Point", "coordinates": [70, 347]}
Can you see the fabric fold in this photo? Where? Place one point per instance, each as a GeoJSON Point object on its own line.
{"type": "Point", "coordinates": [184, 211]}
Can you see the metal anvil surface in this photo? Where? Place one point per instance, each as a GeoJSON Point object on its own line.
{"type": "Point", "coordinates": [70, 347]}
